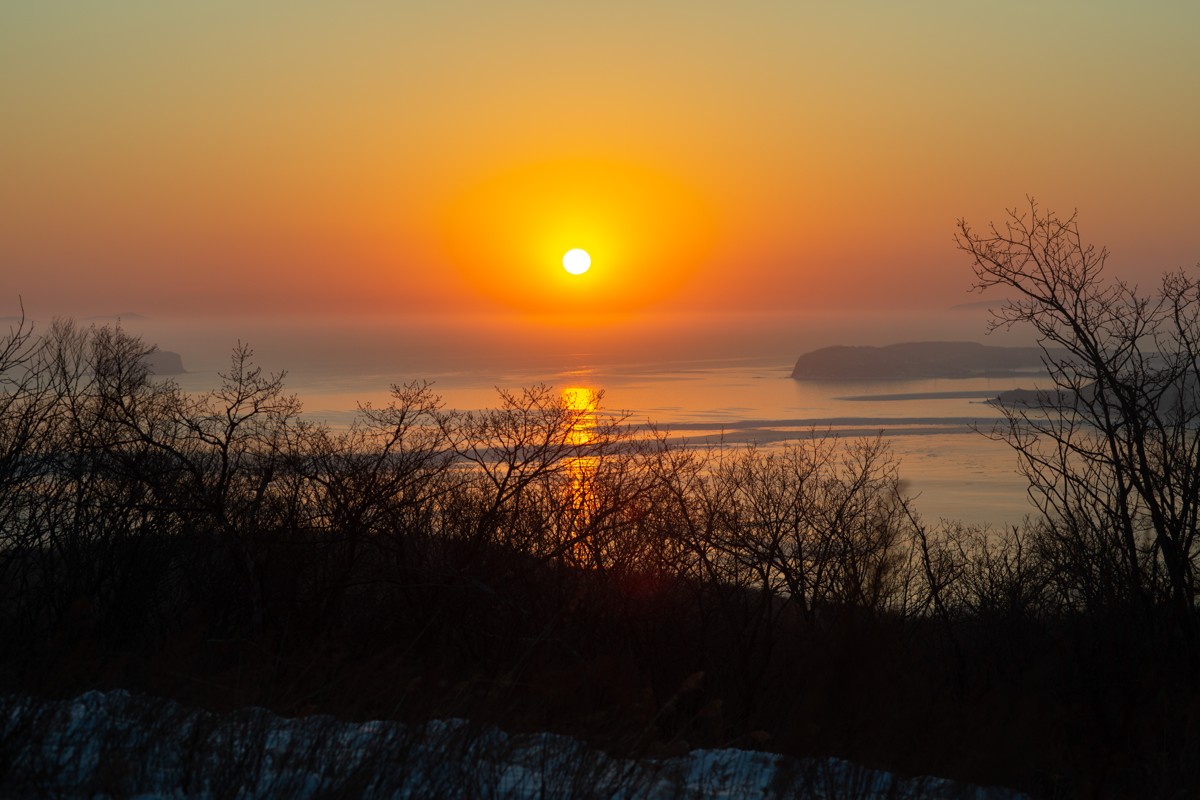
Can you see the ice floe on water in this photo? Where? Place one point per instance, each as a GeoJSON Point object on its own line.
{"type": "Point", "coordinates": [114, 744]}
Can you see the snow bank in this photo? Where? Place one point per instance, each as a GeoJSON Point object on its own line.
{"type": "Point", "coordinates": [114, 744]}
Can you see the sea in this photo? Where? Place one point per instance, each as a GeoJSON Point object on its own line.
{"type": "Point", "coordinates": [697, 388]}
{"type": "Point", "coordinates": [699, 380]}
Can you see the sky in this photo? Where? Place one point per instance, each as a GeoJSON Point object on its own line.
{"type": "Point", "coordinates": [392, 159]}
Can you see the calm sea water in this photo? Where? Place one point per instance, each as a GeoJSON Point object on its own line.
{"type": "Point", "coordinates": [649, 370]}
{"type": "Point", "coordinates": [933, 425]}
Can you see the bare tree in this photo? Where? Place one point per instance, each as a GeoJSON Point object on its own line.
{"type": "Point", "coordinates": [527, 444]}
{"type": "Point", "coordinates": [820, 523]}
{"type": "Point", "coordinates": [1112, 447]}
{"type": "Point", "coordinates": [24, 410]}
{"type": "Point", "coordinates": [371, 490]}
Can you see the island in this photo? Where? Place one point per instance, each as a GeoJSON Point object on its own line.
{"type": "Point", "coordinates": [164, 362]}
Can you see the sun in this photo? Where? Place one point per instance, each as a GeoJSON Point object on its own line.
{"type": "Point", "coordinates": [576, 261]}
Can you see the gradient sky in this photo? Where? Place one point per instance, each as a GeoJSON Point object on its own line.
{"type": "Point", "coordinates": [383, 158]}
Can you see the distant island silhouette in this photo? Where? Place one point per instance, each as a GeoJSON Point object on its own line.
{"type": "Point", "coordinates": [914, 360]}
{"type": "Point", "coordinates": [164, 362]}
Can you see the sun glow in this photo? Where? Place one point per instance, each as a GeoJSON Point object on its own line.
{"type": "Point", "coordinates": [506, 235]}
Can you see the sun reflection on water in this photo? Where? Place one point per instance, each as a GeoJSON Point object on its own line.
{"type": "Point", "coordinates": [581, 402]}
{"type": "Point", "coordinates": [580, 469]}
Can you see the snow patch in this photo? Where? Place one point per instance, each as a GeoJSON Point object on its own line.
{"type": "Point", "coordinates": [114, 744]}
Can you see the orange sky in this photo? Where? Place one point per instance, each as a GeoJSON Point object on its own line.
{"type": "Point", "coordinates": [369, 158]}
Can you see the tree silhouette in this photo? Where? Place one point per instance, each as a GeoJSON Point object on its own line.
{"type": "Point", "coordinates": [1112, 447]}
